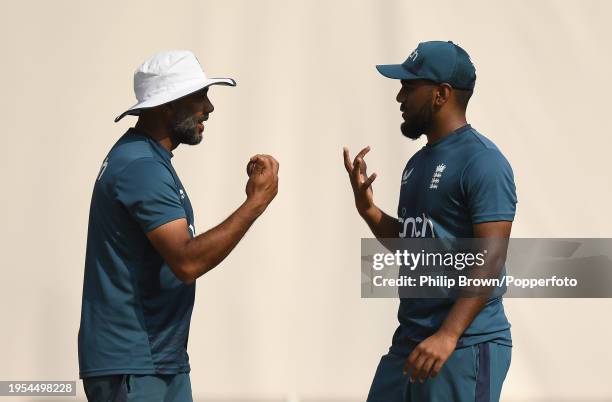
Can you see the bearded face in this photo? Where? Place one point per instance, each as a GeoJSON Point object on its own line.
{"type": "Point", "coordinates": [417, 121]}
{"type": "Point", "coordinates": [187, 128]}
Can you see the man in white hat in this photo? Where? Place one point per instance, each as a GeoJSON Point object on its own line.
{"type": "Point", "coordinates": [143, 255]}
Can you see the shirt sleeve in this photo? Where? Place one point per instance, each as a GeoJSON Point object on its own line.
{"type": "Point", "coordinates": [488, 184]}
{"type": "Point", "coordinates": [147, 190]}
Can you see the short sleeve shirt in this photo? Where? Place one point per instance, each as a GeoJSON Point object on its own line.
{"type": "Point", "coordinates": [135, 312]}
{"type": "Point", "coordinates": [447, 187]}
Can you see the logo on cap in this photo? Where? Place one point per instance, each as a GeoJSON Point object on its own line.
{"type": "Point", "coordinates": [413, 56]}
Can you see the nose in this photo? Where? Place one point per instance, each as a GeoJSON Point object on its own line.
{"type": "Point", "coordinates": [208, 106]}
{"type": "Point", "coordinates": [400, 96]}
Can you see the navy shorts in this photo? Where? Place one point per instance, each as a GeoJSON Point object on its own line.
{"type": "Point", "coordinates": [471, 374]}
{"type": "Point", "coordinates": [138, 388]}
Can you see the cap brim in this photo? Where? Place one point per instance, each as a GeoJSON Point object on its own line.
{"type": "Point", "coordinates": [169, 97]}
{"type": "Point", "coordinates": [396, 71]}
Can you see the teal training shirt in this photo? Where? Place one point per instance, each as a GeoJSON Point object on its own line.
{"type": "Point", "coordinates": [135, 312]}
{"type": "Point", "coordinates": [446, 188]}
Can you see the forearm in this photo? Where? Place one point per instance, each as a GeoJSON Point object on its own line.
{"type": "Point", "coordinates": [208, 249]}
{"type": "Point", "coordinates": [428, 357]}
{"type": "Point", "coordinates": [381, 224]}
{"type": "Point", "coordinates": [461, 315]}
{"type": "Point", "coordinates": [466, 308]}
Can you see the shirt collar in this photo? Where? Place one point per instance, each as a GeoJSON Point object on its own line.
{"type": "Point", "coordinates": [161, 150]}
{"type": "Point", "coordinates": [448, 138]}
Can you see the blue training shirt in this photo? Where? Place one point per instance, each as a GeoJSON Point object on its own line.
{"type": "Point", "coordinates": [135, 312]}
{"type": "Point", "coordinates": [447, 186]}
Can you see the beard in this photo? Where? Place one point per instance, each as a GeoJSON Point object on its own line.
{"type": "Point", "coordinates": [184, 129]}
{"type": "Point", "coordinates": [419, 123]}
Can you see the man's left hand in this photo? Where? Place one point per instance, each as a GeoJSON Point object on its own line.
{"type": "Point", "coordinates": [427, 358]}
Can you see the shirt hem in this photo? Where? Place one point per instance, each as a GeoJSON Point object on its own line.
{"type": "Point", "coordinates": [493, 217]}
{"type": "Point", "coordinates": [133, 370]}
{"type": "Point", "coordinates": [163, 221]}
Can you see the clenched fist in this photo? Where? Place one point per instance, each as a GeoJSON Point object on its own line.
{"type": "Point", "coordinates": [262, 186]}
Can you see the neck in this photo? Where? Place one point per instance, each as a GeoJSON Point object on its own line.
{"type": "Point", "coordinates": [158, 132]}
{"type": "Point", "coordinates": [441, 129]}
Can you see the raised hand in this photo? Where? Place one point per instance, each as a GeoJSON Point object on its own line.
{"type": "Point", "coordinates": [262, 186]}
{"type": "Point", "coordinates": [361, 183]}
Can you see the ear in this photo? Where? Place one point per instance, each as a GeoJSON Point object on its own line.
{"type": "Point", "coordinates": [442, 94]}
{"type": "Point", "coordinates": [168, 110]}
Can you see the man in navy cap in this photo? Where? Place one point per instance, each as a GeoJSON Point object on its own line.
{"type": "Point", "coordinates": [459, 185]}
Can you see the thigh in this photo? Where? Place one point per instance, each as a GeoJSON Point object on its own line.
{"type": "Point", "coordinates": [106, 388]}
{"type": "Point", "coordinates": [455, 382]}
{"type": "Point", "coordinates": [389, 383]}
{"type": "Point", "coordinates": [471, 374]}
{"type": "Point", "coordinates": [499, 360]}
{"type": "Point", "coordinates": [493, 364]}
{"type": "Point", "coordinates": [145, 388]}
{"type": "Point", "coordinates": [179, 389]}
{"type": "Point", "coordinates": [159, 388]}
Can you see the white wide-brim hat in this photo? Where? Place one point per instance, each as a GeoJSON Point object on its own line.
{"type": "Point", "coordinates": [168, 76]}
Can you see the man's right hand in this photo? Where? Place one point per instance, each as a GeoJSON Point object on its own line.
{"type": "Point", "coordinates": [361, 183]}
{"type": "Point", "coordinates": [381, 224]}
{"type": "Point", "coordinates": [262, 186]}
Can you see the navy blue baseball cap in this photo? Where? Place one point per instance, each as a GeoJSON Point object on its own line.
{"type": "Point", "coordinates": [437, 61]}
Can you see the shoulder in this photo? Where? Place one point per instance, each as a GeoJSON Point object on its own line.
{"type": "Point", "coordinates": [479, 140]}
{"type": "Point", "coordinates": [133, 156]}
{"type": "Point", "coordinates": [474, 143]}
{"type": "Point", "coordinates": [415, 157]}
{"type": "Point", "coordinates": [144, 178]}
{"type": "Point", "coordinates": [129, 148]}
{"type": "Point", "coordinates": [479, 150]}
{"type": "Point", "coordinates": [144, 170]}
